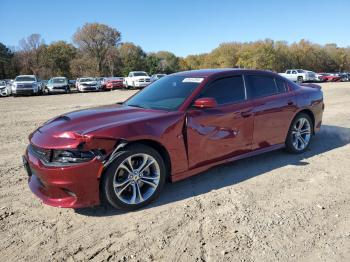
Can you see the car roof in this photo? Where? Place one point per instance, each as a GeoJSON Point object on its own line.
{"type": "Point", "coordinates": [27, 75]}
{"type": "Point", "coordinates": [218, 71]}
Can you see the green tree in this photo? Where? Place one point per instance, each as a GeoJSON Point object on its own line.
{"type": "Point", "coordinates": [6, 67]}
{"type": "Point", "coordinates": [168, 62]}
{"type": "Point", "coordinates": [152, 63]}
{"type": "Point", "coordinates": [57, 57]}
{"type": "Point", "coordinates": [132, 58]}
{"type": "Point", "coordinates": [95, 40]}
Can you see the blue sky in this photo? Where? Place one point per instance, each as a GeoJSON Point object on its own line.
{"type": "Point", "coordinates": [182, 27]}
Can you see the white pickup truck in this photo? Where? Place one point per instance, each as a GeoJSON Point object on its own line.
{"type": "Point", "coordinates": [137, 79]}
{"type": "Point", "coordinates": [299, 75]}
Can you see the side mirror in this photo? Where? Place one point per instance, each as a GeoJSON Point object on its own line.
{"type": "Point", "coordinates": [205, 102]}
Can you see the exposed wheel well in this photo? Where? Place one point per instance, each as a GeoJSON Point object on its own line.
{"type": "Point", "coordinates": [160, 148]}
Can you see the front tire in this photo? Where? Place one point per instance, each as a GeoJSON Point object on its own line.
{"type": "Point", "coordinates": [300, 80]}
{"type": "Point", "coordinates": [299, 134]}
{"type": "Point", "coordinates": [135, 178]}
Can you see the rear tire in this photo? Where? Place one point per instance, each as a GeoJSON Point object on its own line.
{"type": "Point", "coordinates": [127, 186]}
{"type": "Point", "coordinates": [299, 134]}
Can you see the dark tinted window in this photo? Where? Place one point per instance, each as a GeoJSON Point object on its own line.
{"type": "Point", "coordinates": [281, 85]}
{"type": "Point", "coordinates": [262, 85]}
{"type": "Point", "coordinates": [226, 90]}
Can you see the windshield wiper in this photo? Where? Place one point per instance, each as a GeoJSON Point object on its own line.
{"type": "Point", "coordinates": [135, 106]}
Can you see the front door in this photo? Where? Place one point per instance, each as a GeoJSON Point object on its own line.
{"type": "Point", "coordinates": [215, 134]}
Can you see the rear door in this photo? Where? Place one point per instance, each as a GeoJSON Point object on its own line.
{"type": "Point", "coordinates": [225, 131]}
{"type": "Point", "coordinates": [274, 107]}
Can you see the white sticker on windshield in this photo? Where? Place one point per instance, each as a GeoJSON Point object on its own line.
{"type": "Point", "coordinates": [192, 80]}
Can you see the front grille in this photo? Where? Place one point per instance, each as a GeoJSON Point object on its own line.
{"type": "Point", "coordinates": [24, 91]}
{"type": "Point", "coordinates": [24, 86]}
{"type": "Point", "coordinates": [41, 153]}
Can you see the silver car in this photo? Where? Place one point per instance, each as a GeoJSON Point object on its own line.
{"type": "Point", "coordinates": [88, 84]}
{"type": "Point", "coordinates": [57, 85]}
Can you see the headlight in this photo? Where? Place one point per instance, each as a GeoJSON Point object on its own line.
{"type": "Point", "coordinates": [72, 156]}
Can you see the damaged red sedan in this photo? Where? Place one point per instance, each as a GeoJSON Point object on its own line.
{"type": "Point", "coordinates": [178, 126]}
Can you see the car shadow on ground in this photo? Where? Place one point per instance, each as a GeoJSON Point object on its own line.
{"type": "Point", "coordinates": [329, 138]}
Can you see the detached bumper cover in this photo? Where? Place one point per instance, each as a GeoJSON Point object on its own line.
{"type": "Point", "coordinates": [72, 186]}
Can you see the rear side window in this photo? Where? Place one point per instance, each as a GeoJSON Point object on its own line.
{"type": "Point", "coordinates": [226, 90]}
{"type": "Point", "coordinates": [262, 85]}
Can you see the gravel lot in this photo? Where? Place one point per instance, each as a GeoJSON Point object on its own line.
{"type": "Point", "coordinates": [271, 207]}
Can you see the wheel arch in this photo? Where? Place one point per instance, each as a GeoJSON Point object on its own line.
{"type": "Point", "coordinates": [159, 148]}
{"type": "Point", "coordinates": [148, 142]}
{"type": "Point", "coordinates": [307, 112]}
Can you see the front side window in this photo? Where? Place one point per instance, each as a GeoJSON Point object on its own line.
{"type": "Point", "coordinates": [262, 85]}
{"type": "Point", "coordinates": [226, 90]}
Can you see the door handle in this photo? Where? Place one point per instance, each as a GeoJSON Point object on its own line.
{"type": "Point", "coordinates": [290, 103]}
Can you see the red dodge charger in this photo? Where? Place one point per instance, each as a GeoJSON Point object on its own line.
{"type": "Point", "coordinates": [178, 126]}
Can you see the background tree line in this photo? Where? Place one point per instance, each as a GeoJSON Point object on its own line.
{"type": "Point", "coordinates": [97, 50]}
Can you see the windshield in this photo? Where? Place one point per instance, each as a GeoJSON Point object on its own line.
{"type": "Point", "coordinates": [300, 71]}
{"type": "Point", "coordinates": [24, 78]}
{"type": "Point", "coordinates": [140, 74]}
{"type": "Point", "coordinates": [86, 79]}
{"type": "Point", "coordinates": [168, 93]}
{"type": "Point", "coordinates": [58, 81]}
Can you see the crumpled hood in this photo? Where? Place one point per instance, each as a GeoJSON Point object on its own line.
{"type": "Point", "coordinates": [85, 122]}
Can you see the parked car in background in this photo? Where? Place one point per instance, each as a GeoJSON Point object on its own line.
{"type": "Point", "coordinates": [113, 83]}
{"type": "Point", "coordinates": [155, 77]}
{"type": "Point", "coordinates": [344, 77]}
{"type": "Point", "coordinates": [57, 85]}
{"type": "Point", "coordinates": [181, 125]}
{"type": "Point", "coordinates": [137, 79]}
{"type": "Point", "coordinates": [320, 77]}
{"type": "Point", "coordinates": [299, 75]}
{"type": "Point", "coordinates": [77, 83]}
{"type": "Point", "coordinates": [103, 83]}
{"type": "Point", "coordinates": [71, 83]}
{"type": "Point", "coordinates": [88, 84]}
{"type": "Point", "coordinates": [27, 85]}
{"type": "Point", "coordinates": [327, 77]}
{"type": "Point", "coordinates": [5, 88]}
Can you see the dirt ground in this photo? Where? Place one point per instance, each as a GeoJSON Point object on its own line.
{"type": "Point", "coordinates": [271, 207]}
